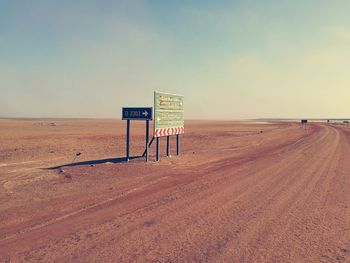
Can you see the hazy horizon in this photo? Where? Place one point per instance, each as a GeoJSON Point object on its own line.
{"type": "Point", "coordinates": [230, 59]}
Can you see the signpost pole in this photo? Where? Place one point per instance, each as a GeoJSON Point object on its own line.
{"type": "Point", "coordinates": [141, 114]}
{"type": "Point", "coordinates": [177, 144]}
{"type": "Point", "coordinates": [147, 138]}
{"type": "Point", "coordinates": [127, 140]}
{"type": "Point", "coordinates": [168, 146]}
{"type": "Point", "coordinates": [157, 149]}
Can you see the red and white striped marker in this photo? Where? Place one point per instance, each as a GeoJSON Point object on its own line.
{"type": "Point", "coordinates": [168, 131]}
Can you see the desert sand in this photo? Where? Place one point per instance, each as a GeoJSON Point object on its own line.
{"type": "Point", "coordinates": [239, 192]}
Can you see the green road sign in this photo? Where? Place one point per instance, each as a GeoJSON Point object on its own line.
{"type": "Point", "coordinates": [168, 114]}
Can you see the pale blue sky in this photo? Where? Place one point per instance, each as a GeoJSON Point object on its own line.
{"type": "Point", "coordinates": [230, 59]}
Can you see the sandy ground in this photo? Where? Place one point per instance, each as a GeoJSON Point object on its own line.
{"type": "Point", "coordinates": [239, 192]}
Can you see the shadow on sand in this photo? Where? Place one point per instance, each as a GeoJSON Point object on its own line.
{"type": "Point", "coordinates": [93, 162]}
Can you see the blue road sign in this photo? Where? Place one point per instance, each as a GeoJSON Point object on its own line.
{"type": "Point", "coordinates": [137, 113]}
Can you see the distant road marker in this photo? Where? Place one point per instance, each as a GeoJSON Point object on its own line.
{"type": "Point", "coordinates": [303, 123]}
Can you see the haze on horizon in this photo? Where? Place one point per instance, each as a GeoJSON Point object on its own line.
{"type": "Point", "coordinates": [230, 59]}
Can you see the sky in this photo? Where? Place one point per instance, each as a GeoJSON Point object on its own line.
{"type": "Point", "coordinates": [230, 59]}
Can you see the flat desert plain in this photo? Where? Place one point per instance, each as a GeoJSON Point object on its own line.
{"type": "Point", "coordinates": [239, 192]}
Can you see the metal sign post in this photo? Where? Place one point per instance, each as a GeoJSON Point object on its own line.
{"type": "Point", "coordinates": [303, 123]}
{"type": "Point", "coordinates": [147, 138]}
{"type": "Point", "coordinates": [129, 114]}
{"type": "Point", "coordinates": [177, 144]}
{"type": "Point", "coordinates": [168, 146]}
{"type": "Point", "coordinates": [127, 140]}
{"type": "Point", "coordinates": [157, 149]}
{"type": "Point", "coordinates": [168, 121]}
{"type": "Point", "coordinates": [168, 118]}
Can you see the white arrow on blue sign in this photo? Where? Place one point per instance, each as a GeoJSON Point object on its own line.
{"type": "Point", "coordinates": [137, 113]}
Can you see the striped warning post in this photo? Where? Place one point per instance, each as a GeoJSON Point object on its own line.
{"type": "Point", "coordinates": [168, 131]}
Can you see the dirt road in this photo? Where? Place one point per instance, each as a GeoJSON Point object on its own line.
{"type": "Point", "coordinates": [240, 192]}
